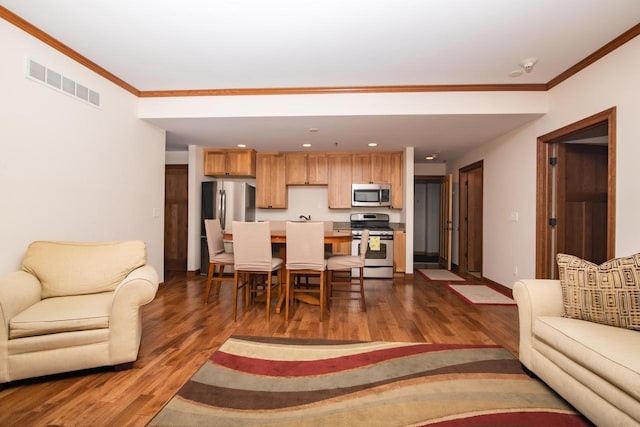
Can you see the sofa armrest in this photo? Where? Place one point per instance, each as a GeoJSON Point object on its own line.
{"type": "Point", "coordinates": [125, 325]}
{"type": "Point", "coordinates": [18, 291]}
{"type": "Point", "coordinates": [535, 297]}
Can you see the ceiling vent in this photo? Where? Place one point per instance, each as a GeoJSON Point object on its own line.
{"type": "Point", "coordinates": [59, 82]}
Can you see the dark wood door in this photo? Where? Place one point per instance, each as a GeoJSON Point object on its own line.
{"type": "Point", "coordinates": [446, 221]}
{"type": "Point", "coordinates": [474, 219]}
{"type": "Point", "coordinates": [470, 213]}
{"type": "Point", "coordinates": [582, 201]}
{"type": "Point", "coordinates": [176, 189]}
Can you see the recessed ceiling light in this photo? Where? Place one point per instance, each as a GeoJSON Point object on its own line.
{"type": "Point", "coordinates": [313, 129]}
{"type": "Point", "coordinates": [515, 73]}
{"type": "Point", "coordinates": [372, 144]}
{"type": "Point", "coordinates": [242, 146]}
{"type": "Point", "coordinates": [430, 157]}
{"type": "Point", "coordinates": [306, 145]}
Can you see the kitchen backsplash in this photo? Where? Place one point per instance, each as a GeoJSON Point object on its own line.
{"type": "Point", "coordinates": [313, 200]}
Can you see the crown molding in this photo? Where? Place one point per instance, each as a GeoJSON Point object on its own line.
{"type": "Point", "coordinates": [14, 19]}
{"type": "Point", "coordinates": [600, 53]}
{"type": "Point", "coordinates": [343, 89]}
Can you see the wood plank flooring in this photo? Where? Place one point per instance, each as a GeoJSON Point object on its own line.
{"type": "Point", "coordinates": [180, 333]}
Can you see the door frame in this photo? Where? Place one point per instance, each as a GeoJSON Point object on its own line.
{"type": "Point", "coordinates": [463, 242]}
{"type": "Point", "coordinates": [446, 220]}
{"type": "Point", "coordinates": [544, 194]}
{"type": "Point", "coordinates": [425, 179]}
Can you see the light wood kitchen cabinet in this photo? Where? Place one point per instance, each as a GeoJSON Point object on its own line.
{"type": "Point", "coordinates": [230, 162]}
{"type": "Point", "coordinates": [306, 169]}
{"type": "Point", "coordinates": [396, 180]}
{"type": "Point", "coordinates": [399, 251]}
{"type": "Point", "coordinates": [271, 188]}
{"type": "Point", "coordinates": [371, 168]}
{"type": "Point", "coordinates": [339, 180]}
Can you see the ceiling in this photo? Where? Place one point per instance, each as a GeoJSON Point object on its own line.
{"type": "Point", "coordinates": [215, 44]}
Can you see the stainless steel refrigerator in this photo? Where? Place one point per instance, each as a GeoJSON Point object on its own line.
{"type": "Point", "coordinates": [227, 200]}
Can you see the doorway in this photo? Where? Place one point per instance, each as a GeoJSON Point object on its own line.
{"type": "Point", "coordinates": [575, 206]}
{"type": "Point", "coordinates": [176, 190]}
{"type": "Point", "coordinates": [471, 188]}
{"type": "Point", "coordinates": [426, 237]}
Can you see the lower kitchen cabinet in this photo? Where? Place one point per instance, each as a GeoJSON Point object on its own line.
{"type": "Point", "coordinates": [399, 251]}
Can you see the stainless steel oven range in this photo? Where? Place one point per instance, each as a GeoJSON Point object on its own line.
{"type": "Point", "coordinates": [379, 262]}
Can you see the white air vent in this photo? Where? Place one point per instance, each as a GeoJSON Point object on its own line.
{"type": "Point", "coordinates": [64, 84]}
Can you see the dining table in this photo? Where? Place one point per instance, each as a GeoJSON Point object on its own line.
{"type": "Point", "coordinates": [279, 238]}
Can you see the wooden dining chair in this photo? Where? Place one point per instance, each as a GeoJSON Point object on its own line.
{"type": "Point", "coordinates": [217, 256]}
{"type": "Point", "coordinates": [252, 256]}
{"type": "Point", "coordinates": [305, 256]}
{"type": "Point", "coordinates": [344, 289]}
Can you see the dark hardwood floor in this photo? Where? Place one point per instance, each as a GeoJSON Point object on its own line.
{"type": "Point", "coordinates": [180, 333]}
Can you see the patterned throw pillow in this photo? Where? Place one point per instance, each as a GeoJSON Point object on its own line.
{"type": "Point", "coordinates": [608, 293]}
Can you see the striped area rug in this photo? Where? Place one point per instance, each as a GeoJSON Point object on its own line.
{"type": "Point", "coordinates": [289, 382]}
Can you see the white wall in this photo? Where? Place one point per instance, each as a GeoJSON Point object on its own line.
{"type": "Point", "coordinates": [430, 169]}
{"type": "Point", "coordinates": [176, 157]}
{"type": "Point", "coordinates": [70, 171]}
{"type": "Point", "coordinates": [510, 164]}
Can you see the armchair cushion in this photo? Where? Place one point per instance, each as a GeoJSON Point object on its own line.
{"type": "Point", "coordinates": [63, 314]}
{"type": "Point", "coordinates": [72, 268]}
{"type": "Point", "coordinates": [608, 293]}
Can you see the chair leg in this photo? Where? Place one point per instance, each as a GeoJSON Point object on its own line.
{"type": "Point", "coordinates": [322, 296]}
{"type": "Point", "coordinates": [329, 287]}
{"type": "Point", "coordinates": [364, 305]}
{"type": "Point", "coordinates": [235, 295]}
{"type": "Point", "coordinates": [269, 277]}
{"type": "Point", "coordinates": [287, 295]}
{"type": "Point", "coordinates": [219, 280]}
{"type": "Point", "coordinates": [209, 279]}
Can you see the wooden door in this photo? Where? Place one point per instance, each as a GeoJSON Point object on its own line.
{"type": "Point", "coordinates": [581, 227]}
{"type": "Point", "coordinates": [176, 190]}
{"type": "Point", "coordinates": [572, 185]}
{"type": "Point", "coordinates": [470, 247]}
{"type": "Point", "coordinates": [446, 220]}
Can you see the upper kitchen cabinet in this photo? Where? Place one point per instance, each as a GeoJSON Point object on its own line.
{"type": "Point", "coordinates": [271, 188]}
{"type": "Point", "coordinates": [397, 187]}
{"type": "Point", "coordinates": [371, 168]}
{"type": "Point", "coordinates": [230, 162]}
{"type": "Point", "coordinates": [339, 168]}
{"type": "Point", "coordinates": [306, 168]}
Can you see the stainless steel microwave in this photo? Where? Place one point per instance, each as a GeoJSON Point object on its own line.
{"type": "Point", "coordinates": [370, 195]}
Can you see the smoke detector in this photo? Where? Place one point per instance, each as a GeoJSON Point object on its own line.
{"type": "Point", "coordinates": [528, 64]}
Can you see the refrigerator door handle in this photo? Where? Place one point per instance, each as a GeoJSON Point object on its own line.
{"type": "Point", "coordinates": [222, 208]}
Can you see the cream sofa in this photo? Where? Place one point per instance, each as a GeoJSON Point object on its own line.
{"type": "Point", "coordinates": [73, 306]}
{"type": "Point", "coordinates": [595, 367]}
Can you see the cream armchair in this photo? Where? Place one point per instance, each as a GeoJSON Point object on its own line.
{"type": "Point", "coordinates": [73, 306]}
